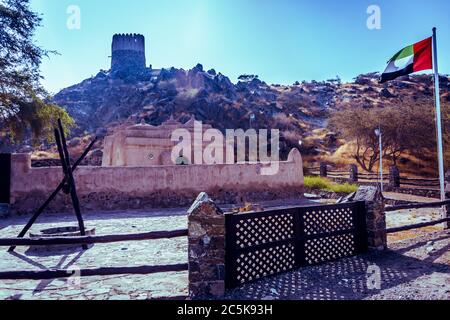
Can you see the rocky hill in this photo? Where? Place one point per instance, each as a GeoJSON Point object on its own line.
{"type": "Point", "coordinates": [300, 110]}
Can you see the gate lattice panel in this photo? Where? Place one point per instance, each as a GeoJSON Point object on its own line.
{"type": "Point", "coordinates": [261, 244]}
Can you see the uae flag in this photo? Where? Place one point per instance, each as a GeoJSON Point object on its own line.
{"type": "Point", "coordinates": [414, 58]}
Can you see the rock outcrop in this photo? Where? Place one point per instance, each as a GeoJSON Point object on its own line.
{"type": "Point", "coordinates": [153, 96]}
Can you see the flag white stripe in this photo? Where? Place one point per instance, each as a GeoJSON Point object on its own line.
{"type": "Point", "coordinates": [400, 64]}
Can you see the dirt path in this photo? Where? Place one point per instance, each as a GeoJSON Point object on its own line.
{"type": "Point", "coordinates": [413, 216]}
{"type": "Point", "coordinates": [408, 197]}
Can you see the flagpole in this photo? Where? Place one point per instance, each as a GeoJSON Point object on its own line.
{"type": "Point", "coordinates": [438, 116]}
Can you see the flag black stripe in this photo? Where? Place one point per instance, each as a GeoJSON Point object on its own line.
{"type": "Point", "coordinates": [392, 75]}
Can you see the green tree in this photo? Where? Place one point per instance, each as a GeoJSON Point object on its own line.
{"type": "Point", "coordinates": [25, 110]}
{"type": "Point", "coordinates": [407, 127]}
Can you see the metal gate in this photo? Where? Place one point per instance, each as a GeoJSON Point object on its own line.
{"type": "Point", "coordinates": [266, 243]}
{"type": "Point", "coordinates": [5, 177]}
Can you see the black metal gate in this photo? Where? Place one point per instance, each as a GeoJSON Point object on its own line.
{"type": "Point", "coordinates": [261, 244]}
{"type": "Point", "coordinates": [5, 177]}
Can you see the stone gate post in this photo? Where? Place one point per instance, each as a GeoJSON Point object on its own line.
{"type": "Point", "coordinates": [375, 218]}
{"type": "Point", "coordinates": [206, 243]}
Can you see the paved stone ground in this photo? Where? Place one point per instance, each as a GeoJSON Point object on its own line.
{"type": "Point", "coordinates": [133, 253]}
{"type": "Point", "coordinates": [417, 268]}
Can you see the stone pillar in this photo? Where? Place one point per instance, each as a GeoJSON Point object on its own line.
{"type": "Point", "coordinates": [206, 224]}
{"type": "Point", "coordinates": [394, 177]}
{"type": "Point", "coordinates": [375, 218]}
{"type": "Point", "coordinates": [447, 196]}
{"type": "Point", "coordinates": [353, 172]}
{"type": "Point", "coordinates": [323, 170]}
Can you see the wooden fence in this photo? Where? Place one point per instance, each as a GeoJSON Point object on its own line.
{"type": "Point", "coordinates": [260, 244]}
{"type": "Point", "coordinates": [59, 273]}
{"type": "Point", "coordinates": [392, 179]}
{"type": "Point", "coordinates": [419, 206]}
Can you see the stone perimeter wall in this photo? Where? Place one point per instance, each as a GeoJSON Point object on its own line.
{"type": "Point", "coordinates": [114, 188]}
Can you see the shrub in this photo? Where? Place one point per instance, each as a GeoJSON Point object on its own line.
{"type": "Point", "coordinates": [344, 188]}
{"type": "Point", "coordinates": [319, 183]}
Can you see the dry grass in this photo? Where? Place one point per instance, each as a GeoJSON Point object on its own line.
{"type": "Point", "coordinates": [342, 156]}
{"type": "Point", "coordinates": [37, 155]}
{"type": "Point", "coordinates": [282, 119]}
{"type": "Point", "coordinates": [399, 236]}
{"type": "Point", "coordinates": [292, 136]}
{"type": "Point", "coordinates": [423, 165]}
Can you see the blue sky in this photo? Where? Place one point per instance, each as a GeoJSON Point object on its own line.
{"type": "Point", "coordinates": [282, 41]}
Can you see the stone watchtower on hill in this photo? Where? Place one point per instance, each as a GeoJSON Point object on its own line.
{"type": "Point", "coordinates": [128, 53]}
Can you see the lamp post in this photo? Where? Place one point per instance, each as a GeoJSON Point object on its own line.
{"type": "Point", "coordinates": [252, 118]}
{"type": "Point", "coordinates": [379, 134]}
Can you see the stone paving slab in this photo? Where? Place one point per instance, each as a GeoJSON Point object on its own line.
{"type": "Point", "coordinates": [423, 268]}
{"type": "Point", "coordinates": [135, 253]}
{"type": "Point", "coordinates": [415, 269]}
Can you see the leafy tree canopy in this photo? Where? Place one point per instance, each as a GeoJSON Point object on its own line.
{"type": "Point", "coordinates": [407, 127]}
{"type": "Point", "coordinates": [25, 110]}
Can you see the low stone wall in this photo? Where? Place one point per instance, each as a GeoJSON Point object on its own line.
{"type": "Point", "coordinates": [112, 188]}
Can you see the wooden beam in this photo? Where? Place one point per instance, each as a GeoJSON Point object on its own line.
{"type": "Point", "coordinates": [417, 226]}
{"type": "Point", "coordinates": [59, 273]}
{"type": "Point", "coordinates": [418, 206]}
{"type": "Point", "coordinates": [423, 185]}
{"type": "Point", "coordinates": [37, 214]}
{"type": "Point", "coordinates": [67, 168]}
{"type": "Point", "coordinates": [419, 179]}
{"type": "Point", "coordinates": [92, 239]}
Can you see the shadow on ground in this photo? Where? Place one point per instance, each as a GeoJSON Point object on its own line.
{"type": "Point", "coordinates": [62, 264]}
{"type": "Point", "coordinates": [347, 279]}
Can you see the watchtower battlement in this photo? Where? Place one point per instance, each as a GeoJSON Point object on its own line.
{"type": "Point", "coordinates": [132, 41]}
{"type": "Point", "coordinates": [128, 53]}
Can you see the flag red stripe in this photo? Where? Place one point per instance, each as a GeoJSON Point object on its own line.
{"type": "Point", "coordinates": [423, 55]}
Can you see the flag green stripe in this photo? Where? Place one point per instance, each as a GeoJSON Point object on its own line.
{"type": "Point", "coordinates": [406, 52]}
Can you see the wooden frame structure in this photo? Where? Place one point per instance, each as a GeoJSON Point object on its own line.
{"type": "Point", "coordinates": [103, 271]}
{"type": "Point", "coordinates": [67, 185]}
